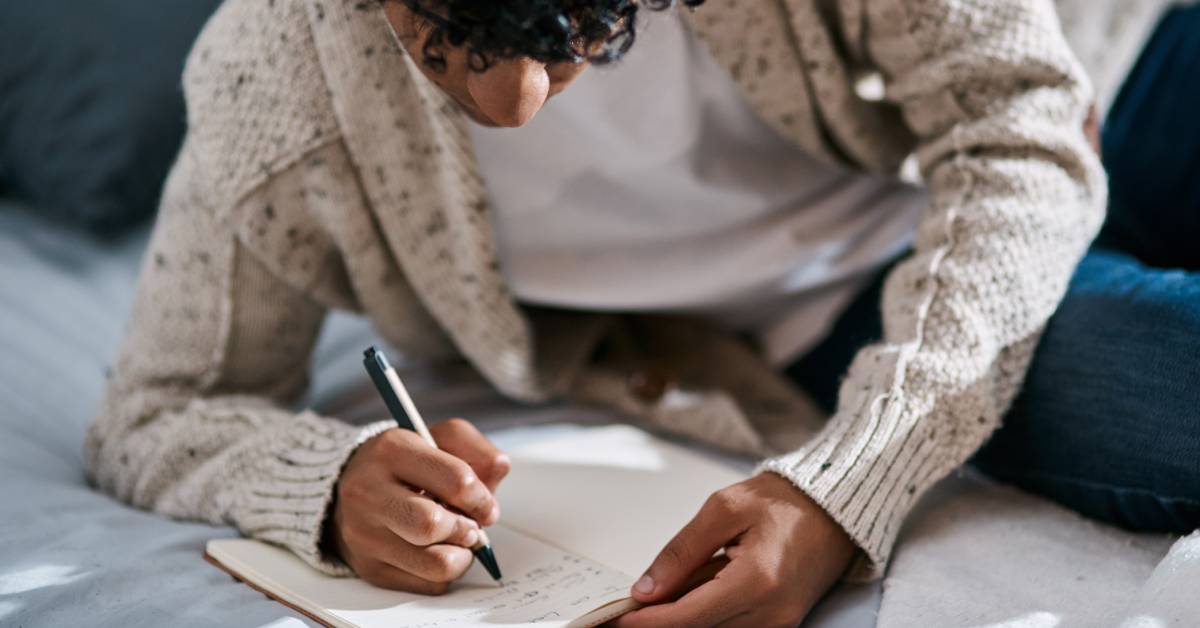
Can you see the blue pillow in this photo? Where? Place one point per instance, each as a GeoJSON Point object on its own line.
{"type": "Point", "coordinates": [91, 109]}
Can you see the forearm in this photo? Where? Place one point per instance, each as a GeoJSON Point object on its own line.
{"type": "Point", "coordinates": [194, 422]}
{"type": "Point", "coordinates": [228, 460]}
{"type": "Point", "coordinates": [1016, 197]}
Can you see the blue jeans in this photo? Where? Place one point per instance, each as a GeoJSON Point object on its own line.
{"type": "Point", "coordinates": [1108, 420]}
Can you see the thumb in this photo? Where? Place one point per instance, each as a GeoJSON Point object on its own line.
{"type": "Point", "coordinates": [710, 530]}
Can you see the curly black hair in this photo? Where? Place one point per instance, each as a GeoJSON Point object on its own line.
{"type": "Point", "coordinates": [549, 31]}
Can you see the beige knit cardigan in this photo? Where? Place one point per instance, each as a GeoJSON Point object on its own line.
{"type": "Point", "coordinates": [322, 170]}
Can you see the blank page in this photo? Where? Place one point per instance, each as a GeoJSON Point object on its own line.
{"type": "Point", "coordinates": [614, 494]}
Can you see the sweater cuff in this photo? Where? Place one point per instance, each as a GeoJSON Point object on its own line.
{"type": "Point", "coordinates": [865, 469]}
{"type": "Point", "coordinates": [292, 504]}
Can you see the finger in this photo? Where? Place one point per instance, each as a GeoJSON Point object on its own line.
{"type": "Point", "coordinates": [419, 520]}
{"type": "Point", "coordinates": [710, 530]}
{"type": "Point", "coordinates": [724, 597]}
{"type": "Point", "coordinates": [465, 534]}
{"type": "Point", "coordinates": [461, 439]}
{"type": "Point", "coordinates": [435, 563]}
{"type": "Point", "coordinates": [746, 619]}
{"type": "Point", "coordinates": [448, 478]}
{"type": "Point", "coordinates": [703, 574]}
{"type": "Point", "coordinates": [387, 576]}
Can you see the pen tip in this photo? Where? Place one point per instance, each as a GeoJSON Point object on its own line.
{"type": "Point", "coordinates": [487, 558]}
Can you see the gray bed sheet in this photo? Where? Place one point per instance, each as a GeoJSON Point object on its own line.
{"type": "Point", "coordinates": [70, 556]}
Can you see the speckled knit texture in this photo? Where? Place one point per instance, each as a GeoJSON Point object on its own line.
{"type": "Point", "coordinates": [321, 170]}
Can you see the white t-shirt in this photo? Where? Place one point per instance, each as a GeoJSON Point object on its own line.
{"type": "Point", "coordinates": [652, 186]}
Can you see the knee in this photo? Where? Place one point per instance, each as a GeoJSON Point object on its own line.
{"type": "Point", "coordinates": [1108, 420]}
{"type": "Point", "coordinates": [1139, 327]}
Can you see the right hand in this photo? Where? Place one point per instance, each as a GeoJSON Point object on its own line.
{"type": "Point", "coordinates": [395, 537]}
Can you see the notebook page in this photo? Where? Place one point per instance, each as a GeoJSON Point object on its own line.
{"type": "Point", "coordinates": [614, 494]}
{"type": "Point", "coordinates": [542, 585]}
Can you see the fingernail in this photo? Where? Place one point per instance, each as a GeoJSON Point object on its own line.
{"type": "Point", "coordinates": [472, 538]}
{"type": "Point", "coordinates": [495, 514]}
{"type": "Point", "coordinates": [644, 585]}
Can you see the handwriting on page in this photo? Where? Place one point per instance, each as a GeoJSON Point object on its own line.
{"type": "Point", "coordinates": [542, 585]}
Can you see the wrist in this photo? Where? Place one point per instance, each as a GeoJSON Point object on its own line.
{"type": "Point", "coordinates": [818, 523]}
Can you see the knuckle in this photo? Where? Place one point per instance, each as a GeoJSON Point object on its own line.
{"type": "Point", "coordinates": [719, 503]}
{"type": "Point", "coordinates": [403, 442]}
{"type": "Point", "coordinates": [421, 518]}
{"type": "Point", "coordinates": [441, 568]}
{"type": "Point", "coordinates": [393, 441]}
{"type": "Point", "coordinates": [445, 564]}
{"type": "Point", "coordinates": [408, 511]}
{"type": "Point", "coordinates": [435, 588]}
{"type": "Point", "coordinates": [457, 425]}
{"type": "Point", "coordinates": [351, 491]}
{"type": "Point", "coordinates": [464, 485]}
{"type": "Point", "coordinates": [429, 524]}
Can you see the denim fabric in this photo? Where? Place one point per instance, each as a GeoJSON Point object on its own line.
{"type": "Point", "coordinates": [1151, 147]}
{"type": "Point", "coordinates": [1108, 421]}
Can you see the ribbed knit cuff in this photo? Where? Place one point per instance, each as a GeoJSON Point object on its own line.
{"type": "Point", "coordinates": [292, 501]}
{"type": "Point", "coordinates": [865, 469]}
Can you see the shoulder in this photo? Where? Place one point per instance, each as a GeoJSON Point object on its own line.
{"type": "Point", "coordinates": [257, 98]}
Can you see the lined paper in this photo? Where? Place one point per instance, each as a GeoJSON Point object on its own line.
{"type": "Point", "coordinates": [543, 586]}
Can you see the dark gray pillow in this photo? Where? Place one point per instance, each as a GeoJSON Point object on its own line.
{"type": "Point", "coordinates": [91, 110]}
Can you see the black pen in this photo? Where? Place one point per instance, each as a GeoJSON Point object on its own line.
{"type": "Point", "coordinates": [405, 413]}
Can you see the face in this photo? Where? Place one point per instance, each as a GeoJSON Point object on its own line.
{"type": "Point", "coordinates": [508, 94]}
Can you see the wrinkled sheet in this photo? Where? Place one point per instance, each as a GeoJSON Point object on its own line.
{"type": "Point", "coordinates": [70, 556]}
{"type": "Point", "coordinates": [974, 553]}
{"type": "Point", "coordinates": [981, 554]}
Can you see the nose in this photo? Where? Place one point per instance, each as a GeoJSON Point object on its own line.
{"type": "Point", "coordinates": [511, 91]}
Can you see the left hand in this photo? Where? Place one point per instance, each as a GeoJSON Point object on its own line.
{"type": "Point", "coordinates": [782, 553]}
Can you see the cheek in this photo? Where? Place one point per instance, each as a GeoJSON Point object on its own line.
{"type": "Point", "coordinates": [452, 79]}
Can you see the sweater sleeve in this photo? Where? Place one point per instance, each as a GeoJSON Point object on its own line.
{"type": "Point", "coordinates": [997, 102]}
{"type": "Point", "coordinates": [195, 423]}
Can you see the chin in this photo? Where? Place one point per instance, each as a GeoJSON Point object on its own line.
{"type": "Point", "coordinates": [477, 116]}
{"type": "Point", "coordinates": [482, 121]}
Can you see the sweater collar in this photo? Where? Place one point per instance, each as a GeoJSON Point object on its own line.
{"type": "Point", "coordinates": [410, 146]}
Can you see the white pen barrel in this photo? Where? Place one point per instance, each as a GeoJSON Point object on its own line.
{"type": "Point", "coordinates": [409, 406]}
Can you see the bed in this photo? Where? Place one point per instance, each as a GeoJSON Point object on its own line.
{"type": "Point", "coordinates": [973, 554]}
{"type": "Point", "coordinates": [71, 556]}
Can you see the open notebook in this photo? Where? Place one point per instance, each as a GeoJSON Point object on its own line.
{"type": "Point", "coordinates": [584, 514]}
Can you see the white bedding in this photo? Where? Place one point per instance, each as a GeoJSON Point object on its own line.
{"type": "Point", "coordinates": [974, 554]}
{"type": "Point", "coordinates": [70, 556]}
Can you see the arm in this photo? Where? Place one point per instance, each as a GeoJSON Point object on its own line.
{"type": "Point", "coordinates": [997, 103]}
{"type": "Point", "coordinates": [194, 423]}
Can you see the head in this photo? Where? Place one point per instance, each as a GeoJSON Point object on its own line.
{"type": "Point", "coordinates": [501, 60]}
